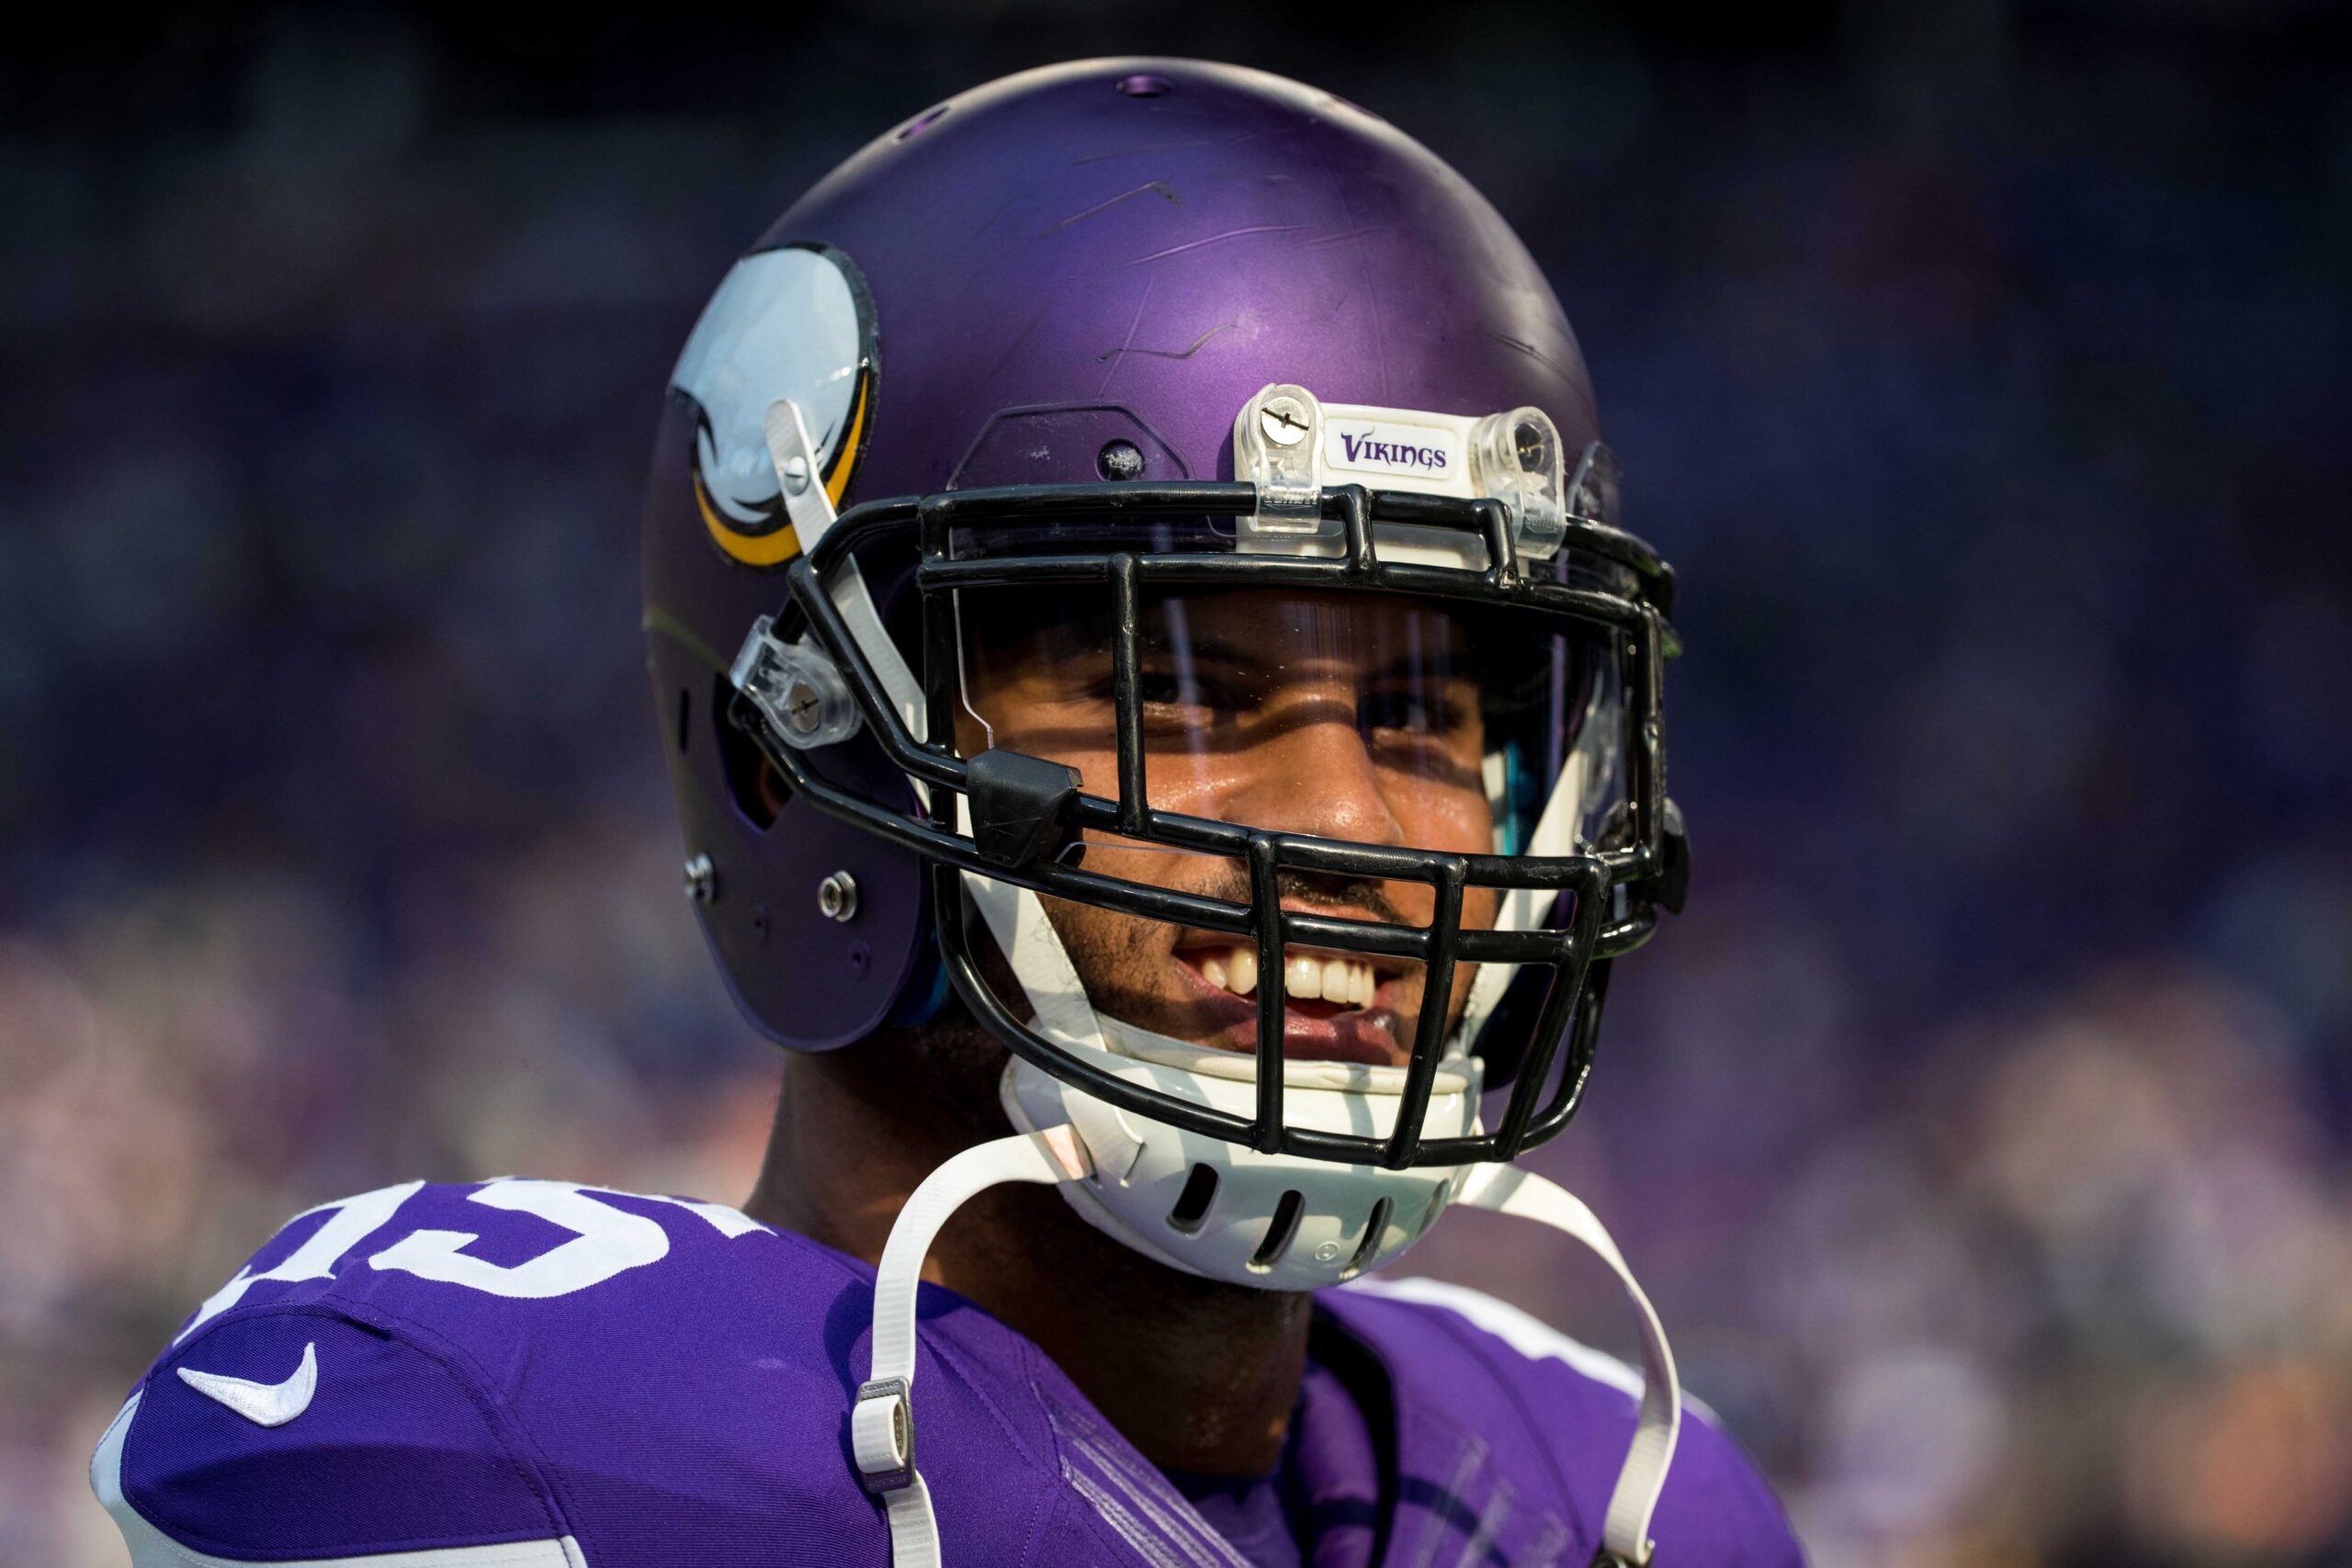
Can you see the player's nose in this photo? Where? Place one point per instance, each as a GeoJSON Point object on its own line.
{"type": "Point", "coordinates": [1316, 775]}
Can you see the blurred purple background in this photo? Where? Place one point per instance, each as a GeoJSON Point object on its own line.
{"type": "Point", "coordinates": [1983, 1129]}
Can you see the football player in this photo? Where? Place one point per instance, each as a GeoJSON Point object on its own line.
{"type": "Point", "coordinates": [1167, 722]}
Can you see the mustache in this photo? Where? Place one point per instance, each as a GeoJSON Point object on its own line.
{"type": "Point", "coordinates": [1318, 891]}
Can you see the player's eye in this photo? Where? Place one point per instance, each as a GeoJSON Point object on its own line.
{"type": "Point", "coordinates": [1173, 698]}
{"type": "Point", "coordinates": [1411, 710]}
{"type": "Point", "coordinates": [1190, 696]}
{"type": "Point", "coordinates": [1162, 688]}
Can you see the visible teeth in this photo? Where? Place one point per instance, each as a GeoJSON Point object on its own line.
{"type": "Point", "coordinates": [1303, 978]}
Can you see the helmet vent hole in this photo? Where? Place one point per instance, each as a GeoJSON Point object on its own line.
{"type": "Point", "coordinates": [1376, 1230]}
{"type": "Point", "coordinates": [1142, 86]}
{"type": "Point", "coordinates": [1119, 461]}
{"type": "Point", "coordinates": [1278, 1235]}
{"type": "Point", "coordinates": [1193, 1203]}
{"type": "Point", "coordinates": [685, 715]}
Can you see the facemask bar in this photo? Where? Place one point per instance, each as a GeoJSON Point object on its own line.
{"type": "Point", "coordinates": [1027, 812]}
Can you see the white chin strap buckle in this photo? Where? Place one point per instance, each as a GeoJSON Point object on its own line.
{"type": "Point", "coordinates": [882, 1435]}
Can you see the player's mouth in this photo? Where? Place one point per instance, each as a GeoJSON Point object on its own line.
{"type": "Point", "coordinates": [1337, 1007]}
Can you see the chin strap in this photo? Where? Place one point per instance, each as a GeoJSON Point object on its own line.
{"type": "Point", "coordinates": [1625, 1530]}
{"type": "Point", "coordinates": [882, 1424]}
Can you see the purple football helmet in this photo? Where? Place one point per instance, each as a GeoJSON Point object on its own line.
{"type": "Point", "coordinates": [1113, 370]}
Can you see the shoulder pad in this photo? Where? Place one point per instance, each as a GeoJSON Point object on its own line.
{"type": "Point", "coordinates": [301, 1436]}
{"type": "Point", "coordinates": [516, 1367]}
{"type": "Point", "coordinates": [1497, 1368]}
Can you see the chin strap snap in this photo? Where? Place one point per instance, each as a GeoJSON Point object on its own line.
{"type": "Point", "coordinates": [882, 1425]}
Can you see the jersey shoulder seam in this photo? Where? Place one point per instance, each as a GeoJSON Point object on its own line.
{"type": "Point", "coordinates": [1056, 1489]}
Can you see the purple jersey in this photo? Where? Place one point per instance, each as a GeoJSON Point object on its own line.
{"type": "Point", "coordinates": [535, 1374]}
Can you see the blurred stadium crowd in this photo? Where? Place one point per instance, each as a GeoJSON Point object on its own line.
{"type": "Point", "coordinates": [1981, 1130]}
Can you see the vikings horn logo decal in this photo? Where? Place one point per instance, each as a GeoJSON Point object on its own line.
{"type": "Point", "coordinates": [794, 322]}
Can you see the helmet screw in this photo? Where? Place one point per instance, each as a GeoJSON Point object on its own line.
{"type": "Point", "coordinates": [802, 707]}
{"type": "Point", "coordinates": [1284, 420]}
{"type": "Point", "coordinates": [837, 896]}
{"type": "Point", "coordinates": [795, 474]}
{"type": "Point", "coordinates": [1529, 442]}
{"type": "Point", "coordinates": [702, 879]}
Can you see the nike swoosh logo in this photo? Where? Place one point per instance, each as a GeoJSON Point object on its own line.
{"type": "Point", "coordinates": [264, 1403]}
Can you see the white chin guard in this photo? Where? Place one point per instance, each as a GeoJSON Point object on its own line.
{"type": "Point", "coordinates": [1218, 1209]}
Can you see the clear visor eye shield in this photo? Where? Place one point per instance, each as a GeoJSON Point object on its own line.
{"type": "Point", "coordinates": [1348, 774]}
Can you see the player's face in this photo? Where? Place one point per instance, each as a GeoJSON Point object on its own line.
{"type": "Point", "coordinates": [1343, 717]}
